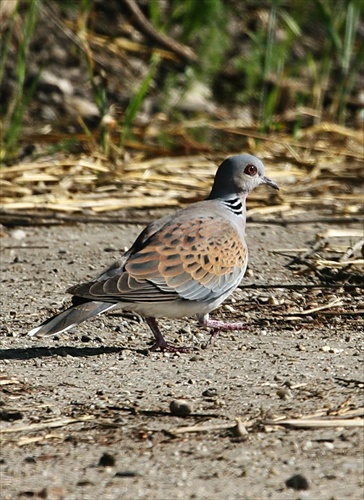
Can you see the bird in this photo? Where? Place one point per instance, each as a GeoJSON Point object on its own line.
{"type": "Point", "coordinates": [184, 264]}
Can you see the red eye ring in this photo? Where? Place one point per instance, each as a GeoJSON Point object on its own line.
{"type": "Point", "coordinates": [251, 170]}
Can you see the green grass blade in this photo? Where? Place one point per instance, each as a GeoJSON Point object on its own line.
{"type": "Point", "coordinates": [138, 98]}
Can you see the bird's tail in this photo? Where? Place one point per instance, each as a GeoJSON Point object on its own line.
{"type": "Point", "coordinates": [71, 317]}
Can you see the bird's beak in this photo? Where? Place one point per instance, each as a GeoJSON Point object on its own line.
{"type": "Point", "coordinates": [270, 183]}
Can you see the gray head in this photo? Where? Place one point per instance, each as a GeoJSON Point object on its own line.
{"type": "Point", "coordinates": [238, 175]}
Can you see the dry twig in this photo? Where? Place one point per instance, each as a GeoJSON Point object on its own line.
{"type": "Point", "coordinates": [147, 28]}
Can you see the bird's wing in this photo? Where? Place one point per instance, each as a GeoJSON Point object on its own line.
{"type": "Point", "coordinates": [117, 268]}
{"type": "Point", "coordinates": [198, 258]}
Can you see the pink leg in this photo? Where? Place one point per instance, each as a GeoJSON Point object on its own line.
{"type": "Point", "coordinates": [218, 326]}
{"type": "Point", "coordinates": [160, 342]}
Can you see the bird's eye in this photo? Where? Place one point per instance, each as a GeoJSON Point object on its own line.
{"type": "Point", "coordinates": [250, 169]}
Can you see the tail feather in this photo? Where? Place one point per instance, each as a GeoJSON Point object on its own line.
{"type": "Point", "coordinates": [71, 317]}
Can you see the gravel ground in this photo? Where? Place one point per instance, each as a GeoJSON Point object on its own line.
{"type": "Point", "coordinates": [87, 414]}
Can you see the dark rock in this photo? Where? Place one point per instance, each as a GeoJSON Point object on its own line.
{"type": "Point", "coordinates": [107, 460]}
{"type": "Point", "coordinates": [210, 393]}
{"type": "Point", "coordinates": [297, 482]}
{"type": "Point", "coordinates": [180, 408]}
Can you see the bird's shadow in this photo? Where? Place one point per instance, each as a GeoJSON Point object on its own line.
{"type": "Point", "coordinates": [76, 352]}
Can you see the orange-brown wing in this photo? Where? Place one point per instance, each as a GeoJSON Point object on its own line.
{"type": "Point", "coordinates": [198, 259]}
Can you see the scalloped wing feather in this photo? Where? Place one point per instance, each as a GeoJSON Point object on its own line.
{"type": "Point", "coordinates": [198, 259]}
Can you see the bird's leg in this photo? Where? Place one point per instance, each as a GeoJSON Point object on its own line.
{"type": "Point", "coordinates": [160, 342]}
{"type": "Point", "coordinates": [218, 326]}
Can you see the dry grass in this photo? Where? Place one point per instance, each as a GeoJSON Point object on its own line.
{"type": "Point", "coordinates": [324, 171]}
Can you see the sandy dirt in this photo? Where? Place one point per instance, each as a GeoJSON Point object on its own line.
{"type": "Point", "coordinates": [86, 415]}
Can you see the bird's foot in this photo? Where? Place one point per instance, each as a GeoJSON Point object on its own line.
{"type": "Point", "coordinates": [211, 342]}
{"type": "Point", "coordinates": [223, 325]}
{"type": "Point", "coordinates": [218, 326]}
{"type": "Point", "coordinates": [164, 346]}
{"type": "Point", "coordinates": [161, 344]}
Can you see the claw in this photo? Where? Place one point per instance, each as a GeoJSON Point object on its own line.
{"type": "Point", "coordinates": [161, 344]}
{"type": "Point", "coordinates": [165, 347]}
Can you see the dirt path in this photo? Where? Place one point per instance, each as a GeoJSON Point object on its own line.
{"type": "Point", "coordinates": [86, 415]}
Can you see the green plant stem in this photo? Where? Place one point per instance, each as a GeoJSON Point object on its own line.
{"type": "Point", "coordinates": [263, 118]}
{"type": "Point", "coordinates": [20, 99]}
{"type": "Point", "coordinates": [138, 98]}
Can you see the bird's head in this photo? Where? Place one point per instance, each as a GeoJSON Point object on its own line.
{"type": "Point", "coordinates": [239, 175]}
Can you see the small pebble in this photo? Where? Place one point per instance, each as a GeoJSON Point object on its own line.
{"type": "Point", "coordinates": [249, 273]}
{"type": "Point", "coordinates": [273, 301]}
{"type": "Point", "coordinates": [107, 460]}
{"type": "Point", "coordinates": [328, 445]}
{"type": "Point", "coordinates": [297, 482]}
{"type": "Point", "coordinates": [284, 393]}
{"type": "Point", "coordinates": [273, 472]}
{"type": "Point", "coordinates": [210, 393]}
{"type": "Point", "coordinates": [331, 350]}
{"type": "Point", "coordinates": [185, 330]}
{"type": "Point", "coordinates": [307, 446]}
{"type": "Point", "coordinates": [180, 407]}
{"type": "Point", "coordinates": [18, 234]}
